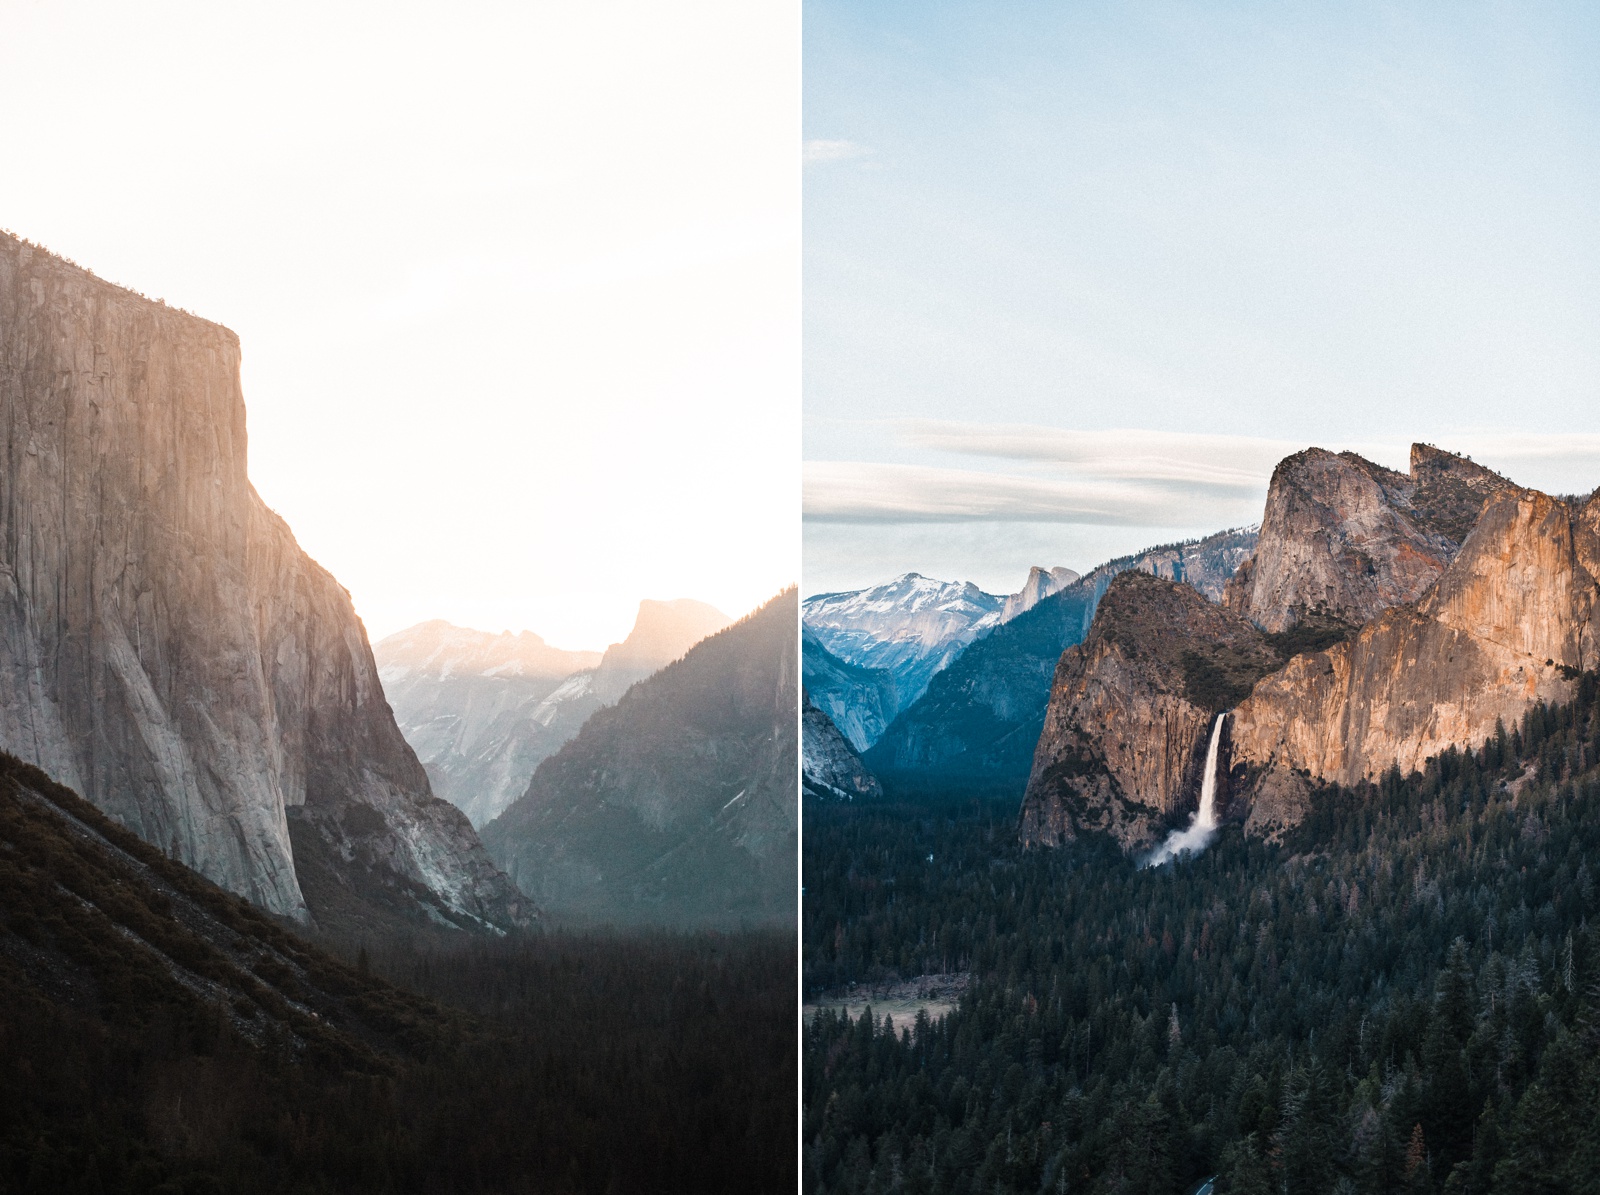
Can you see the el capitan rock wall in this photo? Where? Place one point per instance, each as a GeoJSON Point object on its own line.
{"type": "Point", "coordinates": [166, 648]}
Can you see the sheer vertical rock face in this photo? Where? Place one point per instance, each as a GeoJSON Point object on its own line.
{"type": "Point", "coordinates": [1347, 539]}
{"type": "Point", "coordinates": [1509, 622]}
{"type": "Point", "coordinates": [860, 701]}
{"type": "Point", "coordinates": [1130, 712]}
{"type": "Point", "coordinates": [165, 646]}
{"type": "Point", "coordinates": [1468, 599]}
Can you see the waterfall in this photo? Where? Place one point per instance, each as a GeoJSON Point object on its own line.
{"type": "Point", "coordinates": [1204, 823]}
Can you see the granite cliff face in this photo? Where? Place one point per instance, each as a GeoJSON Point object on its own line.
{"type": "Point", "coordinates": [830, 769]}
{"type": "Point", "coordinates": [1130, 711]}
{"type": "Point", "coordinates": [1509, 622]}
{"type": "Point", "coordinates": [676, 806]}
{"type": "Point", "coordinates": [1343, 539]}
{"type": "Point", "coordinates": [1408, 613]}
{"type": "Point", "coordinates": [981, 717]}
{"type": "Point", "coordinates": [166, 648]}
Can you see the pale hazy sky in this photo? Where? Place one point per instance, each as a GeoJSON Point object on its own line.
{"type": "Point", "coordinates": [1078, 274]}
{"type": "Point", "coordinates": [516, 284]}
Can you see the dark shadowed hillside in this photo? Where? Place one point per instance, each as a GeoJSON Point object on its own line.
{"type": "Point", "coordinates": [161, 1035]}
{"type": "Point", "coordinates": [676, 806]}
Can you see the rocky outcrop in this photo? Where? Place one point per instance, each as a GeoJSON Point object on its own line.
{"type": "Point", "coordinates": [1475, 598]}
{"type": "Point", "coordinates": [830, 769]}
{"type": "Point", "coordinates": [166, 648]}
{"type": "Point", "coordinates": [1509, 622]}
{"type": "Point", "coordinates": [1130, 709]}
{"type": "Point", "coordinates": [981, 717]}
{"type": "Point", "coordinates": [1205, 565]}
{"type": "Point", "coordinates": [1343, 539]}
{"type": "Point", "coordinates": [676, 806]}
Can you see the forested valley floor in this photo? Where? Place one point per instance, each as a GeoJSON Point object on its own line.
{"type": "Point", "coordinates": [1403, 996]}
{"type": "Point", "coordinates": [160, 1035]}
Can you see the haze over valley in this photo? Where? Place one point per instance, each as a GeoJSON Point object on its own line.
{"type": "Point", "coordinates": [232, 889]}
{"type": "Point", "coordinates": [482, 710]}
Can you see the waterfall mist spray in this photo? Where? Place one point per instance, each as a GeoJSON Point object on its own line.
{"type": "Point", "coordinates": [1204, 824]}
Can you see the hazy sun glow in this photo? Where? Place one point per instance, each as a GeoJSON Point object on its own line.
{"type": "Point", "coordinates": [517, 285]}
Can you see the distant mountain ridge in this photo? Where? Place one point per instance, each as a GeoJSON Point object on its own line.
{"type": "Point", "coordinates": [910, 627]}
{"type": "Point", "coordinates": [869, 653]}
{"type": "Point", "coordinates": [482, 710]}
{"type": "Point", "coordinates": [981, 717]}
{"type": "Point", "coordinates": [662, 632]}
{"type": "Point", "coordinates": [675, 806]}
{"type": "Point", "coordinates": [1041, 583]}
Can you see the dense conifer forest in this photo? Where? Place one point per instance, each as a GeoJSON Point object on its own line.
{"type": "Point", "coordinates": [160, 1035]}
{"type": "Point", "coordinates": [1403, 996]}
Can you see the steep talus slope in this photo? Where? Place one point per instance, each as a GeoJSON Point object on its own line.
{"type": "Point", "coordinates": [473, 705]}
{"type": "Point", "coordinates": [912, 626]}
{"type": "Point", "coordinates": [676, 806]}
{"type": "Point", "coordinates": [1130, 709]}
{"type": "Point", "coordinates": [981, 716]}
{"type": "Point", "coordinates": [860, 701]}
{"type": "Point", "coordinates": [1509, 622]}
{"type": "Point", "coordinates": [830, 769]}
{"type": "Point", "coordinates": [1343, 539]}
{"type": "Point", "coordinates": [165, 646]}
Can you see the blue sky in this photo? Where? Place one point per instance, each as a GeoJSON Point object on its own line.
{"type": "Point", "coordinates": [1076, 274]}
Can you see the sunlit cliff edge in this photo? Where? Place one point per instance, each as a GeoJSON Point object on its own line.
{"type": "Point", "coordinates": [167, 649]}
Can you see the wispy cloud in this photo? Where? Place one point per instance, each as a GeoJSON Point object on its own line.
{"type": "Point", "coordinates": [1127, 476]}
{"type": "Point", "coordinates": [819, 150]}
{"type": "Point", "coordinates": [877, 492]}
{"type": "Point", "coordinates": [1230, 464]}
{"type": "Point", "coordinates": [1524, 446]}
